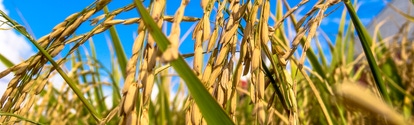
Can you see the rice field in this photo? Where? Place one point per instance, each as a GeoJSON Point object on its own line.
{"type": "Point", "coordinates": [244, 70]}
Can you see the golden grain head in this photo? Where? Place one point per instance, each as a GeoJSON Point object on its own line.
{"type": "Point", "coordinates": [59, 26]}
{"type": "Point", "coordinates": [195, 115]}
{"type": "Point", "coordinates": [149, 84]}
{"type": "Point", "coordinates": [261, 114]}
{"type": "Point", "coordinates": [57, 50]}
{"type": "Point", "coordinates": [72, 16]}
{"type": "Point", "coordinates": [131, 21]}
{"type": "Point", "coordinates": [5, 95]}
{"type": "Point", "coordinates": [28, 86]}
{"type": "Point", "coordinates": [112, 22]}
{"type": "Point", "coordinates": [88, 14]}
{"type": "Point", "coordinates": [144, 119]}
{"type": "Point", "coordinates": [100, 29]}
{"type": "Point", "coordinates": [132, 119]}
{"type": "Point", "coordinates": [56, 32]}
{"type": "Point", "coordinates": [40, 87]}
{"type": "Point", "coordinates": [76, 38]}
{"type": "Point", "coordinates": [130, 99]}
{"type": "Point", "coordinates": [256, 59]}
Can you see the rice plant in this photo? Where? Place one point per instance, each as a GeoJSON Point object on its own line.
{"type": "Point", "coordinates": [244, 70]}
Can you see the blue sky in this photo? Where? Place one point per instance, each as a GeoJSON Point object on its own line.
{"type": "Point", "coordinates": [39, 17]}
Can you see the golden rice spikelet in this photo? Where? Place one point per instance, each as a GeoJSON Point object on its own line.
{"type": "Point", "coordinates": [70, 29]}
{"type": "Point", "coordinates": [170, 54]}
{"type": "Point", "coordinates": [101, 4]}
{"type": "Point", "coordinates": [88, 14]}
{"type": "Point", "coordinates": [233, 106]}
{"type": "Point", "coordinates": [195, 115]}
{"type": "Point", "coordinates": [261, 114]}
{"type": "Point", "coordinates": [57, 27]}
{"type": "Point", "coordinates": [143, 71]}
{"type": "Point", "coordinates": [110, 116]}
{"type": "Point", "coordinates": [206, 27]}
{"type": "Point", "coordinates": [130, 99]}
{"type": "Point", "coordinates": [212, 40]}
{"type": "Point", "coordinates": [99, 29]}
{"type": "Point", "coordinates": [113, 22]}
{"type": "Point", "coordinates": [131, 21]}
{"type": "Point", "coordinates": [28, 86]}
{"type": "Point", "coordinates": [247, 64]}
{"type": "Point", "coordinates": [73, 39]}
{"type": "Point", "coordinates": [56, 32]}
{"type": "Point", "coordinates": [8, 104]}
{"type": "Point", "coordinates": [20, 68]}
{"type": "Point", "coordinates": [252, 91]}
{"type": "Point", "coordinates": [149, 83]}
{"type": "Point", "coordinates": [225, 79]}
{"type": "Point", "coordinates": [209, 69]}
{"type": "Point", "coordinates": [260, 85]}
{"type": "Point", "coordinates": [265, 17]}
{"type": "Point", "coordinates": [44, 41]}
{"type": "Point", "coordinates": [157, 11]}
{"type": "Point", "coordinates": [206, 74]}
{"type": "Point", "coordinates": [203, 4]}
{"type": "Point", "coordinates": [219, 19]}
{"type": "Point", "coordinates": [13, 83]}
{"type": "Point", "coordinates": [220, 95]}
{"type": "Point", "coordinates": [223, 54]}
{"type": "Point", "coordinates": [71, 17]}
{"type": "Point", "coordinates": [132, 119]}
{"type": "Point", "coordinates": [271, 117]}
{"type": "Point", "coordinates": [229, 34]}
{"type": "Point", "coordinates": [28, 105]}
{"type": "Point", "coordinates": [2, 119]}
{"type": "Point", "coordinates": [96, 19]}
{"type": "Point", "coordinates": [40, 87]}
{"type": "Point", "coordinates": [198, 54]}
{"type": "Point", "coordinates": [19, 101]}
{"type": "Point", "coordinates": [332, 2]}
{"type": "Point", "coordinates": [110, 17]}
{"type": "Point", "coordinates": [152, 56]}
{"type": "Point", "coordinates": [12, 119]}
{"type": "Point", "coordinates": [6, 95]}
{"type": "Point", "coordinates": [290, 95]}
{"type": "Point", "coordinates": [140, 38]}
{"type": "Point", "coordinates": [238, 72]}
{"type": "Point", "coordinates": [188, 116]}
{"type": "Point", "coordinates": [254, 12]}
{"type": "Point", "coordinates": [256, 59]}
{"type": "Point", "coordinates": [216, 72]}
{"type": "Point", "coordinates": [57, 50]}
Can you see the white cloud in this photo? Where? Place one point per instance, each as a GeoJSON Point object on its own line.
{"type": "Point", "coordinates": [14, 47]}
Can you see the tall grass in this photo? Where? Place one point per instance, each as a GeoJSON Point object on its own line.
{"type": "Point", "coordinates": [237, 41]}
